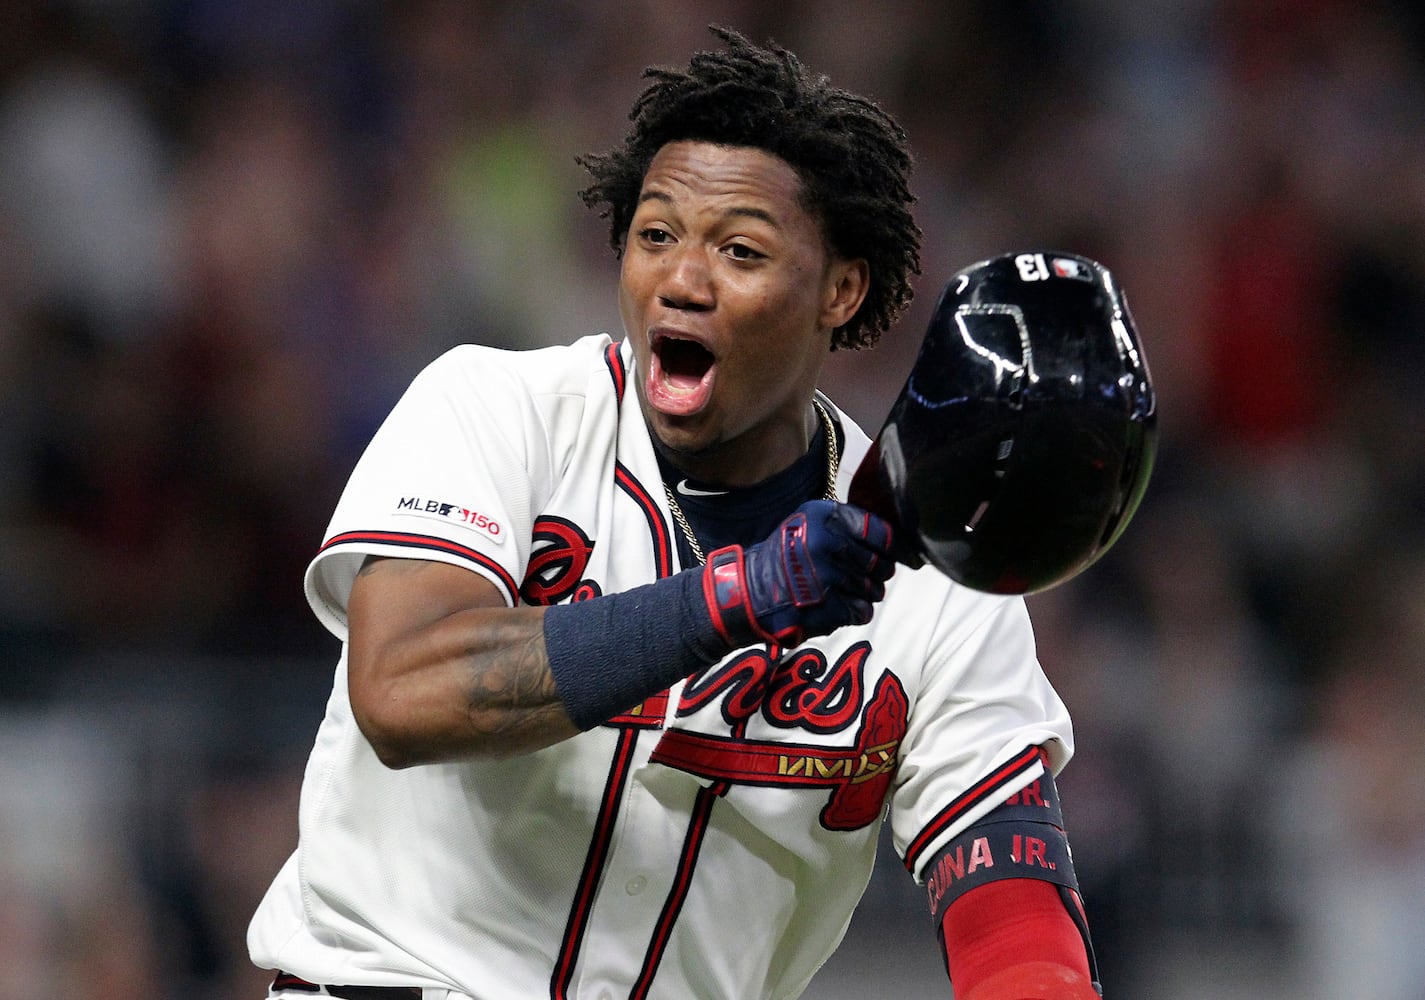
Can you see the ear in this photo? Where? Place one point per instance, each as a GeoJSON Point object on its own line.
{"type": "Point", "coordinates": [847, 282]}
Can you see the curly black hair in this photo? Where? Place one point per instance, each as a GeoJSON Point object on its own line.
{"type": "Point", "coordinates": [851, 156]}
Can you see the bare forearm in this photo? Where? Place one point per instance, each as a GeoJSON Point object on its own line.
{"type": "Point", "coordinates": [471, 682]}
{"type": "Point", "coordinates": [480, 684]}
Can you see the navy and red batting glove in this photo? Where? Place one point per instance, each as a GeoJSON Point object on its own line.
{"type": "Point", "coordinates": [825, 566]}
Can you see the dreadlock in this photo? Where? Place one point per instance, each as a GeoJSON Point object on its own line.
{"type": "Point", "coordinates": [850, 155]}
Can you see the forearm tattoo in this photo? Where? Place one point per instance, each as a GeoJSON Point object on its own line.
{"type": "Point", "coordinates": [510, 688]}
{"type": "Point", "coordinates": [498, 668]}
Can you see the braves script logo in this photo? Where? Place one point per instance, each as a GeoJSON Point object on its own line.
{"type": "Point", "coordinates": [557, 562]}
{"type": "Point", "coordinates": [803, 692]}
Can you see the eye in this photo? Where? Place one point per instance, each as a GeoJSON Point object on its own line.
{"type": "Point", "coordinates": [741, 251]}
{"type": "Point", "coordinates": [655, 236]}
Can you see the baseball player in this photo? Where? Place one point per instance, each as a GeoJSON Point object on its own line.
{"type": "Point", "coordinates": [626, 689]}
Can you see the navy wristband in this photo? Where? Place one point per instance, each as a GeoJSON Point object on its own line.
{"type": "Point", "coordinates": [609, 653]}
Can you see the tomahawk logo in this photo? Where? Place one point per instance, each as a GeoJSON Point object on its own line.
{"type": "Point", "coordinates": [557, 563]}
{"type": "Point", "coordinates": [814, 696]}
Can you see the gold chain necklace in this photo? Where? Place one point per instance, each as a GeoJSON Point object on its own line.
{"type": "Point", "coordinates": [833, 465]}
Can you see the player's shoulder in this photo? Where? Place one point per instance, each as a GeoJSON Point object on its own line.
{"type": "Point", "coordinates": [926, 601]}
{"type": "Point", "coordinates": [560, 368]}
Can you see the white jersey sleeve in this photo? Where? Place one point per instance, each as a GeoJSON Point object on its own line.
{"type": "Point", "coordinates": [986, 723]}
{"type": "Point", "coordinates": [455, 474]}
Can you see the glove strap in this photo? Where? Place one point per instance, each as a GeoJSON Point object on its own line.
{"type": "Point", "coordinates": [725, 590]}
{"type": "Point", "coordinates": [730, 602]}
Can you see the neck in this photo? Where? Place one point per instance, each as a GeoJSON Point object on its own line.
{"type": "Point", "coordinates": [714, 475]}
{"type": "Point", "coordinates": [732, 464]}
{"type": "Point", "coordinates": [709, 516]}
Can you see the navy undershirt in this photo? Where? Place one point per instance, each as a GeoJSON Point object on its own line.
{"type": "Point", "coordinates": [745, 515]}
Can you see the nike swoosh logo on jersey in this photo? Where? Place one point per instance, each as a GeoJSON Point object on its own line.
{"type": "Point", "coordinates": [693, 491]}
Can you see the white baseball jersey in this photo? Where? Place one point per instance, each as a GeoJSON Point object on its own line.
{"type": "Point", "coordinates": [711, 843]}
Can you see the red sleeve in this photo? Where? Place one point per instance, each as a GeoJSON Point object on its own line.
{"type": "Point", "coordinates": [1015, 940]}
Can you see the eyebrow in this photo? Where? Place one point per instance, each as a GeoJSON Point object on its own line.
{"type": "Point", "coordinates": [734, 212]}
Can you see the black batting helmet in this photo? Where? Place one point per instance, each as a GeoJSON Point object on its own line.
{"type": "Point", "coordinates": [1024, 437]}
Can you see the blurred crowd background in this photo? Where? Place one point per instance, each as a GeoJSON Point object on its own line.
{"type": "Point", "coordinates": [232, 230]}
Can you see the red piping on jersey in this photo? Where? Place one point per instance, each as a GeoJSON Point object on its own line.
{"type": "Point", "coordinates": [432, 543]}
{"type": "Point", "coordinates": [651, 713]}
{"type": "Point", "coordinates": [678, 895]}
{"type": "Point", "coordinates": [662, 546]}
{"type": "Point", "coordinates": [647, 714]}
{"type": "Point", "coordinates": [989, 787]}
{"type": "Point", "coordinates": [287, 981]}
{"type": "Point", "coordinates": [593, 866]}
{"type": "Point", "coordinates": [617, 371]}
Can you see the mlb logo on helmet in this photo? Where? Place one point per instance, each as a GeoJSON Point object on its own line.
{"type": "Point", "coordinates": [1067, 267]}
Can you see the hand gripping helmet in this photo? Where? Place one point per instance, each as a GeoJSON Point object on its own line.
{"type": "Point", "coordinates": [1024, 437]}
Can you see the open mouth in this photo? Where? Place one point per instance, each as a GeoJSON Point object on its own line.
{"type": "Point", "coordinates": [684, 362]}
{"type": "Point", "coordinates": [680, 379]}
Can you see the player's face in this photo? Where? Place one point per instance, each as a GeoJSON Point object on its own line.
{"type": "Point", "coordinates": [729, 295]}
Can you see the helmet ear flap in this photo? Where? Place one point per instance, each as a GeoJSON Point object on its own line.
{"type": "Point", "coordinates": [1024, 438]}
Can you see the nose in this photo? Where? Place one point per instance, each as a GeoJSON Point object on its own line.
{"type": "Point", "coordinates": [686, 282]}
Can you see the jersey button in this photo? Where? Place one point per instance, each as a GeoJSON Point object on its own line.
{"type": "Point", "coordinates": [636, 885]}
